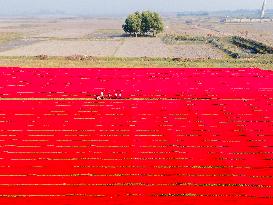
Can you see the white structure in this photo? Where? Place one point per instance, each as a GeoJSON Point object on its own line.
{"type": "Point", "coordinates": [263, 9]}
{"type": "Point", "coordinates": [245, 20]}
{"type": "Point", "coordinates": [249, 20]}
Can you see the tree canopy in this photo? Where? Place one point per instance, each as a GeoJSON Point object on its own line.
{"type": "Point", "coordinates": [145, 23]}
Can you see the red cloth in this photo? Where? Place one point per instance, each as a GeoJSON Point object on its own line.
{"type": "Point", "coordinates": [177, 136]}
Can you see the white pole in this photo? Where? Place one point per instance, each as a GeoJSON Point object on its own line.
{"type": "Point", "coordinates": [263, 9]}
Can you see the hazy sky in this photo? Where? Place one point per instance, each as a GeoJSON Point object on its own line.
{"type": "Point", "coordinates": [125, 6]}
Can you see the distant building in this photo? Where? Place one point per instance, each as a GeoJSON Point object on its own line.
{"type": "Point", "coordinates": [245, 20]}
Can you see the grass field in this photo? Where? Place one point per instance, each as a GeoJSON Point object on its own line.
{"type": "Point", "coordinates": [265, 62]}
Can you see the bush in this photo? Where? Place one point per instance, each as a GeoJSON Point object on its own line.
{"type": "Point", "coordinates": [42, 57]}
{"type": "Point", "coordinates": [145, 23]}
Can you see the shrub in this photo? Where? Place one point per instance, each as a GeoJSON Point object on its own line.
{"type": "Point", "coordinates": [42, 57]}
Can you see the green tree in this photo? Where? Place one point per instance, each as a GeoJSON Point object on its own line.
{"type": "Point", "coordinates": [133, 24]}
{"type": "Point", "coordinates": [157, 24]}
{"type": "Point", "coordinates": [145, 23]}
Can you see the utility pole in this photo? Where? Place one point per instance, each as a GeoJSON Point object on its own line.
{"type": "Point", "coordinates": [263, 9]}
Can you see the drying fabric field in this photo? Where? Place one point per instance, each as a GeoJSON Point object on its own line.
{"type": "Point", "coordinates": [191, 136]}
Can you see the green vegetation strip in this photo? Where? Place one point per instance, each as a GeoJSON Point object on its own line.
{"type": "Point", "coordinates": [251, 45]}
{"type": "Point", "coordinates": [7, 37]}
{"type": "Point", "coordinates": [263, 62]}
{"type": "Point", "coordinates": [173, 39]}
